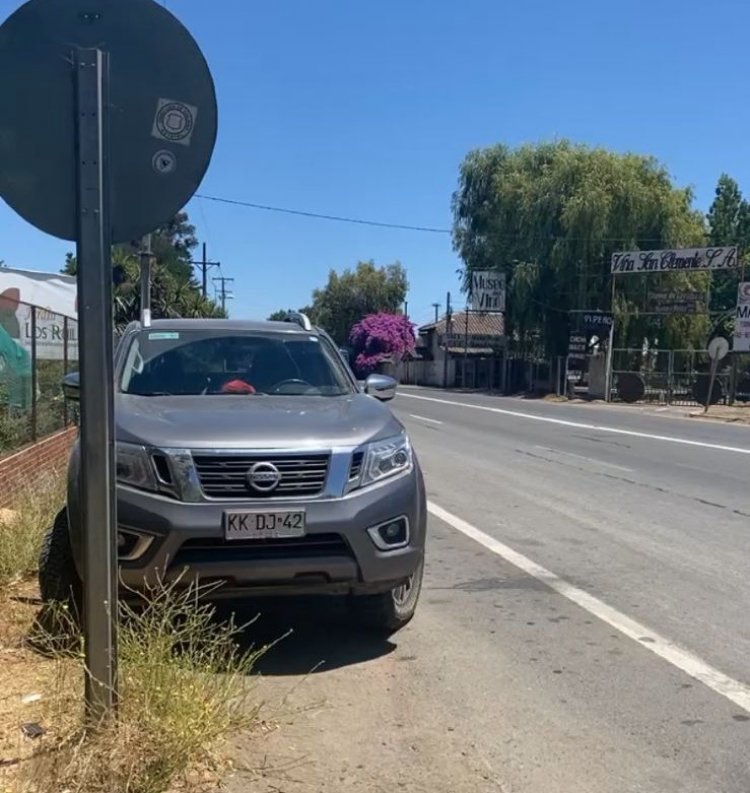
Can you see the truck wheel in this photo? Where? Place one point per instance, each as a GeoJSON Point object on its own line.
{"type": "Point", "coordinates": [390, 611]}
{"type": "Point", "coordinates": [59, 583]}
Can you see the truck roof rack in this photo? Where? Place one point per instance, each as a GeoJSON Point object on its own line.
{"type": "Point", "coordinates": [299, 319]}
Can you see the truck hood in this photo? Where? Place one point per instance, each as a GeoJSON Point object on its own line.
{"type": "Point", "coordinates": [252, 422]}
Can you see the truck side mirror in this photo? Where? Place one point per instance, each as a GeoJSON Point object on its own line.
{"type": "Point", "coordinates": [71, 385]}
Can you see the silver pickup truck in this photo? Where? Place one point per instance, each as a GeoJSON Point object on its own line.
{"type": "Point", "coordinates": [249, 456]}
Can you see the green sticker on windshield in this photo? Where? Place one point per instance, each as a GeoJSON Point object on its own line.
{"type": "Point", "coordinates": [163, 336]}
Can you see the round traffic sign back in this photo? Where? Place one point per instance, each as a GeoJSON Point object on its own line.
{"type": "Point", "coordinates": [162, 112]}
{"type": "Point", "coordinates": [718, 348]}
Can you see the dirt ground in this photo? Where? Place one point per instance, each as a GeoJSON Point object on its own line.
{"type": "Point", "coordinates": [24, 675]}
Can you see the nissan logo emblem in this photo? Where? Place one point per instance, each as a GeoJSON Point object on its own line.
{"type": "Point", "coordinates": [264, 477]}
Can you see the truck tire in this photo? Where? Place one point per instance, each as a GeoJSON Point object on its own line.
{"type": "Point", "coordinates": [388, 612]}
{"type": "Point", "coordinates": [59, 583]}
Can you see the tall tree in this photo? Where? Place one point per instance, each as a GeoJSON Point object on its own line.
{"type": "Point", "coordinates": [172, 245]}
{"type": "Point", "coordinates": [549, 216]}
{"type": "Point", "coordinates": [174, 292]}
{"type": "Point", "coordinates": [354, 294]}
{"type": "Point", "coordinates": [729, 224]}
{"type": "Point", "coordinates": [728, 215]}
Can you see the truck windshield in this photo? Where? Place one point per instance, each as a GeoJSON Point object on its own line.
{"type": "Point", "coordinates": [197, 362]}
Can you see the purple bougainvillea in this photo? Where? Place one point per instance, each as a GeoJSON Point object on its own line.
{"type": "Point", "coordinates": [380, 337]}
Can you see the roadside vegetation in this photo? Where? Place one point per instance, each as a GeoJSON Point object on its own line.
{"type": "Point", "coordinates": [23, 526]}
{"type": "Point", "coordinates": [183, 674]}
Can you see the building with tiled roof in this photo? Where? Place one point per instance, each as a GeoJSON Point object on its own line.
{"type": "Point", "coordinates": [467, 347]}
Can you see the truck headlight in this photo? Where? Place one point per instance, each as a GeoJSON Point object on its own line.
{"type": "Point", "coordinates": [387, 458]}
{"type": "Point", "coordinates": [133, 467]}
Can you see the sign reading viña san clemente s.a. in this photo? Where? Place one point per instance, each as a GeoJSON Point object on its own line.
{"type": "Point", "coordinates": [679, 260]}
{"type": "Point", "coordinates": [487, 291]}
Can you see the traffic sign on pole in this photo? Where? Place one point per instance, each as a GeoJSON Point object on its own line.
{"type": "Point", "coordinates": [718, 349]}
{"type": "Point", "coordinates": [108, 125]}
{"type": "Point", "coordinates": [162, 112]}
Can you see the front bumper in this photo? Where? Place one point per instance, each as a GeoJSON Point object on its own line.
{"type": "Point", "coordinates": [336, 555]}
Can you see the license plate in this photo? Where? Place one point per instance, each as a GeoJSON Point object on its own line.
{"type": "Point", "coordinates": [263, 525]}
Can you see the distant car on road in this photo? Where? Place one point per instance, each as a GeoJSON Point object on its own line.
{"type": "Point", "coordinates": [249, 454]}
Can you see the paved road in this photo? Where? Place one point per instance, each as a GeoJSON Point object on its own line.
{"type": "Point", "coordinates": [610, 654]}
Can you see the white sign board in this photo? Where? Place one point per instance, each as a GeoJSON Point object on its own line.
{"type": "Point", "coordinates": [667, 261]}
{"type": "Point", "coordinates": [54, 296]}
{"type": "Point", "coordinates": [487, 291]}
{"type": "Point", "coordinates": [742, 319]}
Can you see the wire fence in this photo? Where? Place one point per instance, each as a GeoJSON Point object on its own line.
{"type": "Point", "coordinates": [679, 377]}
{"type": "Point", "coordinates": [37, 348]}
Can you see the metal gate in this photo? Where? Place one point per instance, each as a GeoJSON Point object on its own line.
{"type": "Point", "coordinates": [677, 377]}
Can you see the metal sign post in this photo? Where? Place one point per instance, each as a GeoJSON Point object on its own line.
{"type": "Point", "coordinates": [718, 349]}
{"type": "Point", "coordinates": [98, 179]}
{"type": "Point", "coordinates": [146, 257]}
{"type": "Point", "coordinates": [608, 364]}
{"type": "Point", "coordinates": [98, 505]}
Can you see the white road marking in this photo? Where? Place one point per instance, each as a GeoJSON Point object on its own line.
{"type": "Point", "coordinates": [691, 664]}
{"type": "Point", "coordinates": [583, 457]}
{"type": "Point", "coordinates": [580, 425]}
{"type": "Point", "coordinates": [424, 418]}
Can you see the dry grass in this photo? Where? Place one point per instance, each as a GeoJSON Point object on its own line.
{"type": "Point", "coordinates": [184, 691]}
{"type": "Point", "coordinates": [184, 686]}
{"type": "Point", "coordinates": [23, 526]}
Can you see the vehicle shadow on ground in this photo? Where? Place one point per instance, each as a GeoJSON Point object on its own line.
{"type": "Point", "coordinates": [310, 635]}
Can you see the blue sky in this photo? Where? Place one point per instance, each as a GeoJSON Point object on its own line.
{"type": "Point", "coordinates": [366, 109]}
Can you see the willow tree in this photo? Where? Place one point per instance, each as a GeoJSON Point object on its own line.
{"type": "Point", "coordinates": [550, 216]}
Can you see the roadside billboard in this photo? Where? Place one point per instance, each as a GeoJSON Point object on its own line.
{"type": "Point", "coordinates": [675, 260]}
{"type": "Point", "coordinates": [666, 301]}
{"type": "Point", "coordinates": [598, 322]}
{"type": "Point", "coordinates": [487, 293]}
{"type": "Point", "coordinates": [55, 299]}
{"type": "Point", "coordinates": [742, 318]}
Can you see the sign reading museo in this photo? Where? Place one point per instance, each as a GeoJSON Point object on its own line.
{"type": "Point", "coordinates": [487, 291]}
{"type": "Point", "coordinates": [681, 260]}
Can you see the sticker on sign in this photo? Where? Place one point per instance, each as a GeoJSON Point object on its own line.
{"type": "Point", "coordinates": [487, 291]}
{"type": "Point", "coordinates": [174, 121]}
{"type": "Point", "coordinates": [164, 162]}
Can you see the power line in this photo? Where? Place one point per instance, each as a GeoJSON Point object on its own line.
{"type": "Point", "coordinates": [321, 216]}
{"type": "Point", "coordinates": [425, 229]}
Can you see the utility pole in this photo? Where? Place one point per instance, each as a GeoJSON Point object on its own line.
{"type": "Point", "coordinates": [146, 257]}
{"type": "Point", "coordinates": [223, 291]}
{"type": "Point", "coordinates": [448, 315]}
{"type": "Point", "coordinates": [204, 266]}
{"type": "Point", "coordinates": [466, 343]}
{"type": "Point", "coordinates": [406, 309]}
{"type": "Point", "coordinates": [436, 306]}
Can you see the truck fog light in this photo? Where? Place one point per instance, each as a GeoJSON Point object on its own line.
{"type": "Point", "coordinates": [131, 546]}
{"type": "Point", "coordinates": [390, 535]}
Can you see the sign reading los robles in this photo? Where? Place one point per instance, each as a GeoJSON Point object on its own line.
{"type": "Point", "coordinates": [679, 260]}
